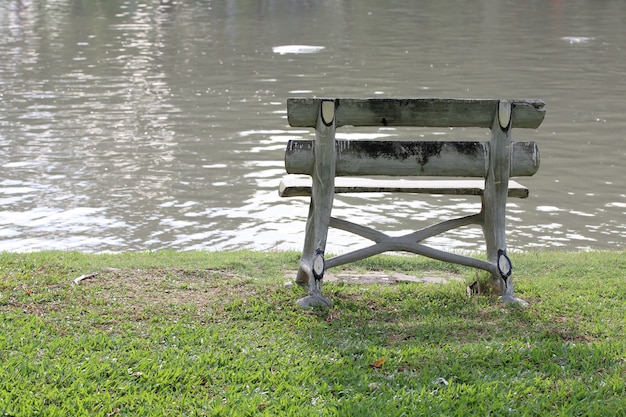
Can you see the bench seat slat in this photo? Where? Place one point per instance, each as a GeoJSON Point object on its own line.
{"type": "Point", "coordinates": [295, 187]}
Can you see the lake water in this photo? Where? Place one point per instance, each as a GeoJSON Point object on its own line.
{"type": "Point", "coordinates": [135, 125]}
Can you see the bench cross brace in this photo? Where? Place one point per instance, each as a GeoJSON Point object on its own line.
{"type": "Point", "coordinates": [407, 243]}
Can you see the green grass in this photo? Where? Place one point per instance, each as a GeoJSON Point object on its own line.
{"type": "Point", "coordinates": [202, 333]}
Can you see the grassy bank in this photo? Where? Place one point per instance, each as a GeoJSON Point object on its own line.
{"type": "Point", "coordinates": [195, 334]}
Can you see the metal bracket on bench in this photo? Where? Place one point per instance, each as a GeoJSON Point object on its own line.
{"type": "Point", "coordinates": [504, 114]}
{"type": "Point", "coordinates": [505, 267]}
{"type": "Point", "coordinates": [319, 264]}
{"type": "Point", "coordinates": [328, 112]}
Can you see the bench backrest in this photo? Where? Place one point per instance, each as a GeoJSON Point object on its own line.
{"type": "Point", "coordinates": [417, 157]}
{"type": "Point", "coordinates": [427, 112]}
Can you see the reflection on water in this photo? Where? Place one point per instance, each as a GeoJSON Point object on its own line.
{"type": "Point", "coordinates": [131, 125]}
{"type": "Point", "coordinates": [296, 49]}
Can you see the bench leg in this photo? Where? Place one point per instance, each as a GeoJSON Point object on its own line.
{"type": "Point", "coordinates": [496, 254]}
{"type": "Point", "coordinates": [311, 270]}
{"type": "Point", "coordinates": [494, 203]}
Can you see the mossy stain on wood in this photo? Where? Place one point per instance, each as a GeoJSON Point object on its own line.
{"type": "Point", "coordinates": [421, 152]}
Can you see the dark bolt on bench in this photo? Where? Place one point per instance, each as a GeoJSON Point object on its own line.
{"type": "Point", "coordinates": [334, 166]}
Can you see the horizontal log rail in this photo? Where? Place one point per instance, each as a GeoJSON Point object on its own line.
{"type": "Point", "coordinates": [421, 112]}
{"type": "Point", "coordinates": [411, 158]}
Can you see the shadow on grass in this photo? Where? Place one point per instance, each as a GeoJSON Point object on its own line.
{"type": "Point", "coordinates": [422, 339]}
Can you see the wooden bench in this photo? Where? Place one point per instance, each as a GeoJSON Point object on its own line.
{"type": "Point", "coordinates": [338, 166]}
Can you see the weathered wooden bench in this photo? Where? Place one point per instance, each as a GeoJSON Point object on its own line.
{"type": "Point", "coordinates": [333, 165]}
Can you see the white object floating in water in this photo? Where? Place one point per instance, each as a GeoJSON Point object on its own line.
{"type": "Point", "coordinates": [297, 49]}
{"type": "Point", "coordinates": [576, 39]}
